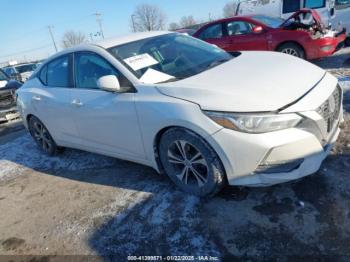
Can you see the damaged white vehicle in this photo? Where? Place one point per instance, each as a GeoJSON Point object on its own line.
{"type": "Point", "coordinates": [186, 108]}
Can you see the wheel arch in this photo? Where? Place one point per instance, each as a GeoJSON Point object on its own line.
{"type": "Point", "coordinates": [158, 136]}
{"type": "Point", "coordinates": [28, 117]}
{"type": "Point", "coordinates": [292, 42]}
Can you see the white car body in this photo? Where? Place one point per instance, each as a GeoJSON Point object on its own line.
{"type": "Point", "coordinates": [126, 125]}
{"type": "Point", "coordinates": [342, 19]}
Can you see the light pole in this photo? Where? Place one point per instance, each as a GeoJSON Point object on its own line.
{"type": "Point", "coordinates": [53, 39]}
{"type": "Point", "coordinates": [99, 22]}
{"type": "Point", "coordinates": [133, 23]}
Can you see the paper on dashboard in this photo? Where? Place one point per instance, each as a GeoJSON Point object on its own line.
{"type": "Point", "coordinates": [138, 62]}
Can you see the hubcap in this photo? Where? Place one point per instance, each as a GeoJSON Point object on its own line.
{"type": "Point", "coordinates": [290, 51]}
{"type": "Point", "coordinates": [188, 162]}
{"type": "Point", "coordinates": [41, 136]}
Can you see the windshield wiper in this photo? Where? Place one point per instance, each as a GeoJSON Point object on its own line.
{"type": "Point", "coordinates": [172, 80]}
{"type": "Point", "coordinates": [217, 62]}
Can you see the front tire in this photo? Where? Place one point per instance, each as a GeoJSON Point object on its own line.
{"type": "Point", "coordinates": [191, 163]}
{"type": "Point", "coordinates": [42, 136]}
{"type": "Point", "coordinates": [292, 49]}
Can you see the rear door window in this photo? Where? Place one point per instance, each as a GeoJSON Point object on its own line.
{"type": "Point", "coordinates": [59, 72]}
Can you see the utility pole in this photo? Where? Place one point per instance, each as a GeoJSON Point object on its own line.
{"type": "Point", "coordinates": [53, 39]}
{"type": "Point", "coordinates": [133, 23]}
{"type": "Point", "coordinates": [99, 22]}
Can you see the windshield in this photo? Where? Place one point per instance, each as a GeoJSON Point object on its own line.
{"type": "Point", "coordinates": [3, 76]}
{"type": "Point", "coordinates": [273, 22]}
{"type": "Point", "coordinates": [168, 57]}
{"type": "Point", "coordinates": [26, 68]}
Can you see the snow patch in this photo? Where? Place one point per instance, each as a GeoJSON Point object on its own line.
{"type": "Point", "coordinates": [23, 153]}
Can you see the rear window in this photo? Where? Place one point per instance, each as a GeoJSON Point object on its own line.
{"type": "Point", "coordinates": [2, 76]}
{"type": "Point", "coordinates": [26, 68]}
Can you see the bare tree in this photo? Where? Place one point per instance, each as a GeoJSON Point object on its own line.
{"type": "Point", "coordinates": [229, 9]}
{"type": "Point", "coordinates": [72, 38]}
{"type": "Point", "coordinates": [147, 18]}
{"type": "Point", "coordinates": [187, 21]}
{"type": "Point", "coordinates": [173, 26]}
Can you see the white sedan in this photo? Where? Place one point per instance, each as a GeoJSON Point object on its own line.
{"type": "Point", "coordinates": [186, 108]}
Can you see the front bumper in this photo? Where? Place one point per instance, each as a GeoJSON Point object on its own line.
{"type": "Point", "coordinates": [9, 114]}
{"type": "Point", "coordinates": [327, 46]}
{"type": "Point", "coordinates": [307, 165]}
{"type": "Point", "coordinates": [277, 157]}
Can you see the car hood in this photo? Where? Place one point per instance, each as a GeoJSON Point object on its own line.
{"type": "Point", "coordinates": [251, 82]}
{"type": "Point", "coordinates": [315, 15]}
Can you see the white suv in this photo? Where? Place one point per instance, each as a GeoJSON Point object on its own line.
{"type": "Point", "coordinates": [187, 109]}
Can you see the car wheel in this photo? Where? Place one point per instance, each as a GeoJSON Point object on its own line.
{"type": "Point", "coordinates": [191, 163]}
{"type": "Point", "coordinates": [42, 136]}
{"type": "Point", "coordinates": [292, 49]}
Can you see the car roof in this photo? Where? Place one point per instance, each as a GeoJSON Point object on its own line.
{"type": "Point", "coordinates": [107, 43]}
{"type": "Point", "coordinates": [110, 42]}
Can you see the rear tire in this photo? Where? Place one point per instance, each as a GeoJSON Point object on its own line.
{"type": "Point", "coordinates": [42, 136]}
{"type": "Point", "coordinates": [191, 163]}
{"type": "Point", "coordinates": [292, 49]}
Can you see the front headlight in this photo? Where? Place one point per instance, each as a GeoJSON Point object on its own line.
{"type": "Point", "coordinates": [254, 123]}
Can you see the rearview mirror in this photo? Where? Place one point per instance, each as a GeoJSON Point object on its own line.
{"type": "Point", "coordinates": [257, 29]}
{"type": "Point", "coordinates": [109, 83]}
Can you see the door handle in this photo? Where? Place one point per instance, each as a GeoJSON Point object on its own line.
{"type": "Point", "coordinates": [76, 102]}
{"type": "Point", "coordinates": [36, 98]}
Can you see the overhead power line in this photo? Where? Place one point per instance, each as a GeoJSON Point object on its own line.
{"type": "Point", "coordinates": [26, 51]}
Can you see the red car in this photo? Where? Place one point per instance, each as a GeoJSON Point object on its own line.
{"type": "Point", "coordinates": [303, 34]}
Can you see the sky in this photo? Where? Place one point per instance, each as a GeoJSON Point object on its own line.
{"type": "Point", "coordinates": [24, 33]}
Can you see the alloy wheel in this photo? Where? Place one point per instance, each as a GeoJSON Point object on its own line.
{"type": "Point", "coordinates": [188, 162]}
{"type": "Point", "coordinates": [290, 51]}
{"type": "Point", "coordinates": [41, 136]}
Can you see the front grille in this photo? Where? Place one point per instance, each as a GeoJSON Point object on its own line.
{"type": "Point", "coordinates": [330, 109]}
{"type": "Point", "coordinates": [7, 100]}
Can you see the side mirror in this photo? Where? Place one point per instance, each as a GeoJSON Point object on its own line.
{"type": "Point", "coordinates": [109, 83]}
{"type": "Point", "coordinates": [258, 29]}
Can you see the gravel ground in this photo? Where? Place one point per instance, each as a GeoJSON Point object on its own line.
{"type": "Point", "coordinates": [85, 204]}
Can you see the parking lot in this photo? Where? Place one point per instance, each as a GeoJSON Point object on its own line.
{"type": "Point", "coordinates": [85, 204]}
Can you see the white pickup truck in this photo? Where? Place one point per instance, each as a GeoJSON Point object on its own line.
{"type": "Point", "coordinates": [332, 12]}
{"type": "Point", "coordinates": [342, 17]}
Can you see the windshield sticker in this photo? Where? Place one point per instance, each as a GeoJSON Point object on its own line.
{"type": "Point", "coordinates": [140, 61]}
{"type": "Point", "coordinates": [153, 76]}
